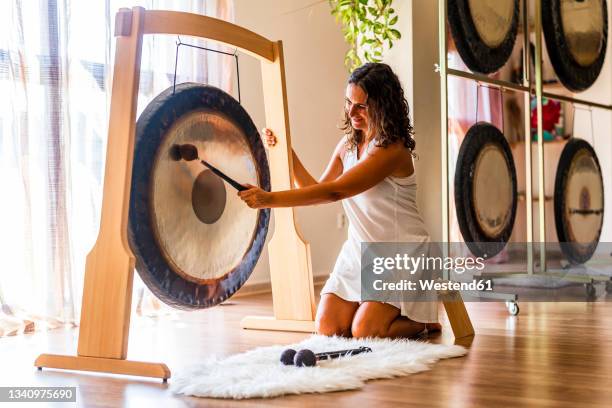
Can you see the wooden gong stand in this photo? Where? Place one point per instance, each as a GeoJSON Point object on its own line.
{"type": "Point", "coordinates": [109, 270]}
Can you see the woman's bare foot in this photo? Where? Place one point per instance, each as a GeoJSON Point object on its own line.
{"type": "Point", "coordinates": [433, 327]}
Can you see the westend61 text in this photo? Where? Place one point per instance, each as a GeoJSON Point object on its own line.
{"type": "Point", "coordinates": [431, 284]}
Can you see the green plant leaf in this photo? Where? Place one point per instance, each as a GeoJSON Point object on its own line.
{"type": "Point", "coordinates": [366, 27]}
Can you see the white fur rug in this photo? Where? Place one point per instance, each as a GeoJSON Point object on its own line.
{"type": "Point", "coordinates": [259, 373]}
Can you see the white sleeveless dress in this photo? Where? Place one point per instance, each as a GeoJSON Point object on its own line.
{"type": "Point", "coordinates": [387, 212]}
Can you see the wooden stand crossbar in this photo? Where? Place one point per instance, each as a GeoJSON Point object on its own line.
{"type": "Point", "coordinates": [109, 270]}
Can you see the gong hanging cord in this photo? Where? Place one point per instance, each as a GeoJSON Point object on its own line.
{"type": "Point", "coordinates": [501, 102]}
{"type": "Point", "coordinates": [590, 110]}
{"type": "Point", "coordinates": [477, 100]}
{"type": "Point", "coordinates": [234, 54]}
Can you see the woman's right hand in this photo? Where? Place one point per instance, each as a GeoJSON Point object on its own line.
{"type": "Point", "coordinates": [268, 138]}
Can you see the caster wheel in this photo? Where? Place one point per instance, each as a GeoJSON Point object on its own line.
{"type": "Point", "coordinates": [609, 287]}
{"type": "Point", "coordinates": [513, 308]}
{"type": "Point", "coordinates": [591, 293]}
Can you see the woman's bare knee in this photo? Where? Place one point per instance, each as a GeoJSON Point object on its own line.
{"type": "Point", "coordinates": [329, 327]}
{"type": "Point", "coordinates": [373, 319]}
{"type": "Point", "coordinates": [334, 316]}
{"type": "Point", "coordinates": [362, 328]}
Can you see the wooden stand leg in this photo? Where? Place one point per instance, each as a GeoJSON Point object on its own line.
{"type": "Point", "coordinates": [457, 314]}
{"type": "Point", "coordinates": [290, 265]}
{"type": "Point", "coordinates": [109, 270]}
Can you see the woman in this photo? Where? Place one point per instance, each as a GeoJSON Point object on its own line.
{"type": "Point", "coordinates": [372, 172]}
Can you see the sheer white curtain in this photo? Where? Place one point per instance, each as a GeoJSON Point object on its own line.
{"type": "Point", "coordinates": [56, 62]}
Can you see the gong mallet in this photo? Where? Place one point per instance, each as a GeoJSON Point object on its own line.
{"type": "Point", "coordinates": [306, 358]}
{"type": "Point", "coordinates": [189, 152]}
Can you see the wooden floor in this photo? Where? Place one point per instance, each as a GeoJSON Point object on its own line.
{"type": "Point", "coordinates": [551, 355]}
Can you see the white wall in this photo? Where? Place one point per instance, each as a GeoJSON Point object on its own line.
{"type": "Point", "coordinates": [314, 63]}
{"type": "Point", "coordinates": [413, 58]}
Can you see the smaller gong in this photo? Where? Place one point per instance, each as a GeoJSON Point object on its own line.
{"type": "Point", "coordinates": [485, 190]}
{"type": "Point", "coordinates": [576, 34]}
{"type": "Point", "coordinates": [484, 31]}
{"type": "Point", "coordinates": [579, 201]}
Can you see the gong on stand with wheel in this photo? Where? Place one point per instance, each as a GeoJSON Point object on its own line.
{"type": "Point", "coordinates": [193, 242]}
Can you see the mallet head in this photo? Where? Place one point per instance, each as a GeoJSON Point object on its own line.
{"type": "Point", "coordinates": [287, 356]}
{"type": "Point", "coordinates": [305, 358]}
{"type": "Point", "coordinates": [187, 152]}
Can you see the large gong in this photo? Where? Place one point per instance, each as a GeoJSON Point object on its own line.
{"type": "Point", "coordinates": [579, 201]}
{"type": "Point", "coordinates": [194, 240]}
{"type": "Point", "coordinates": [576, 33]}
{"type": "Point", "coordinates": [484, 31]}
{"type": "Point", "coordinates": [485, 190]}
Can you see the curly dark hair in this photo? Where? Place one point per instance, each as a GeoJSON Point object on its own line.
{"type": "Point", "coordinates": [388, 109]}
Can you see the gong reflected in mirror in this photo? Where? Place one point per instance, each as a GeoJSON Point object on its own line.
{"type": "Point", "coordinates": [576, 34]}
{"type": "Point", "coordinates": [579, 201]}
{"type": "Point", "coordinates": [484, 31]}
{"type": "Point", "coordinates": [194, 241]}
{"type": "Point", "coordinates": [485, 190]}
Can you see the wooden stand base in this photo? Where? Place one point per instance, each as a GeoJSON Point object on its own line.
{"type": "Point", "coordinates": [106, 365]}
{"type": "Point", "coordinates": [270, 323]}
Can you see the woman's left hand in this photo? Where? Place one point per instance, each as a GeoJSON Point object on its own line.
{"type": "Point", "coordinates": [255, 197]}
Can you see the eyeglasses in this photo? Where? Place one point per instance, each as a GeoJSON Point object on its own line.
{"type": "Point", "coordinates": [348, 104]}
